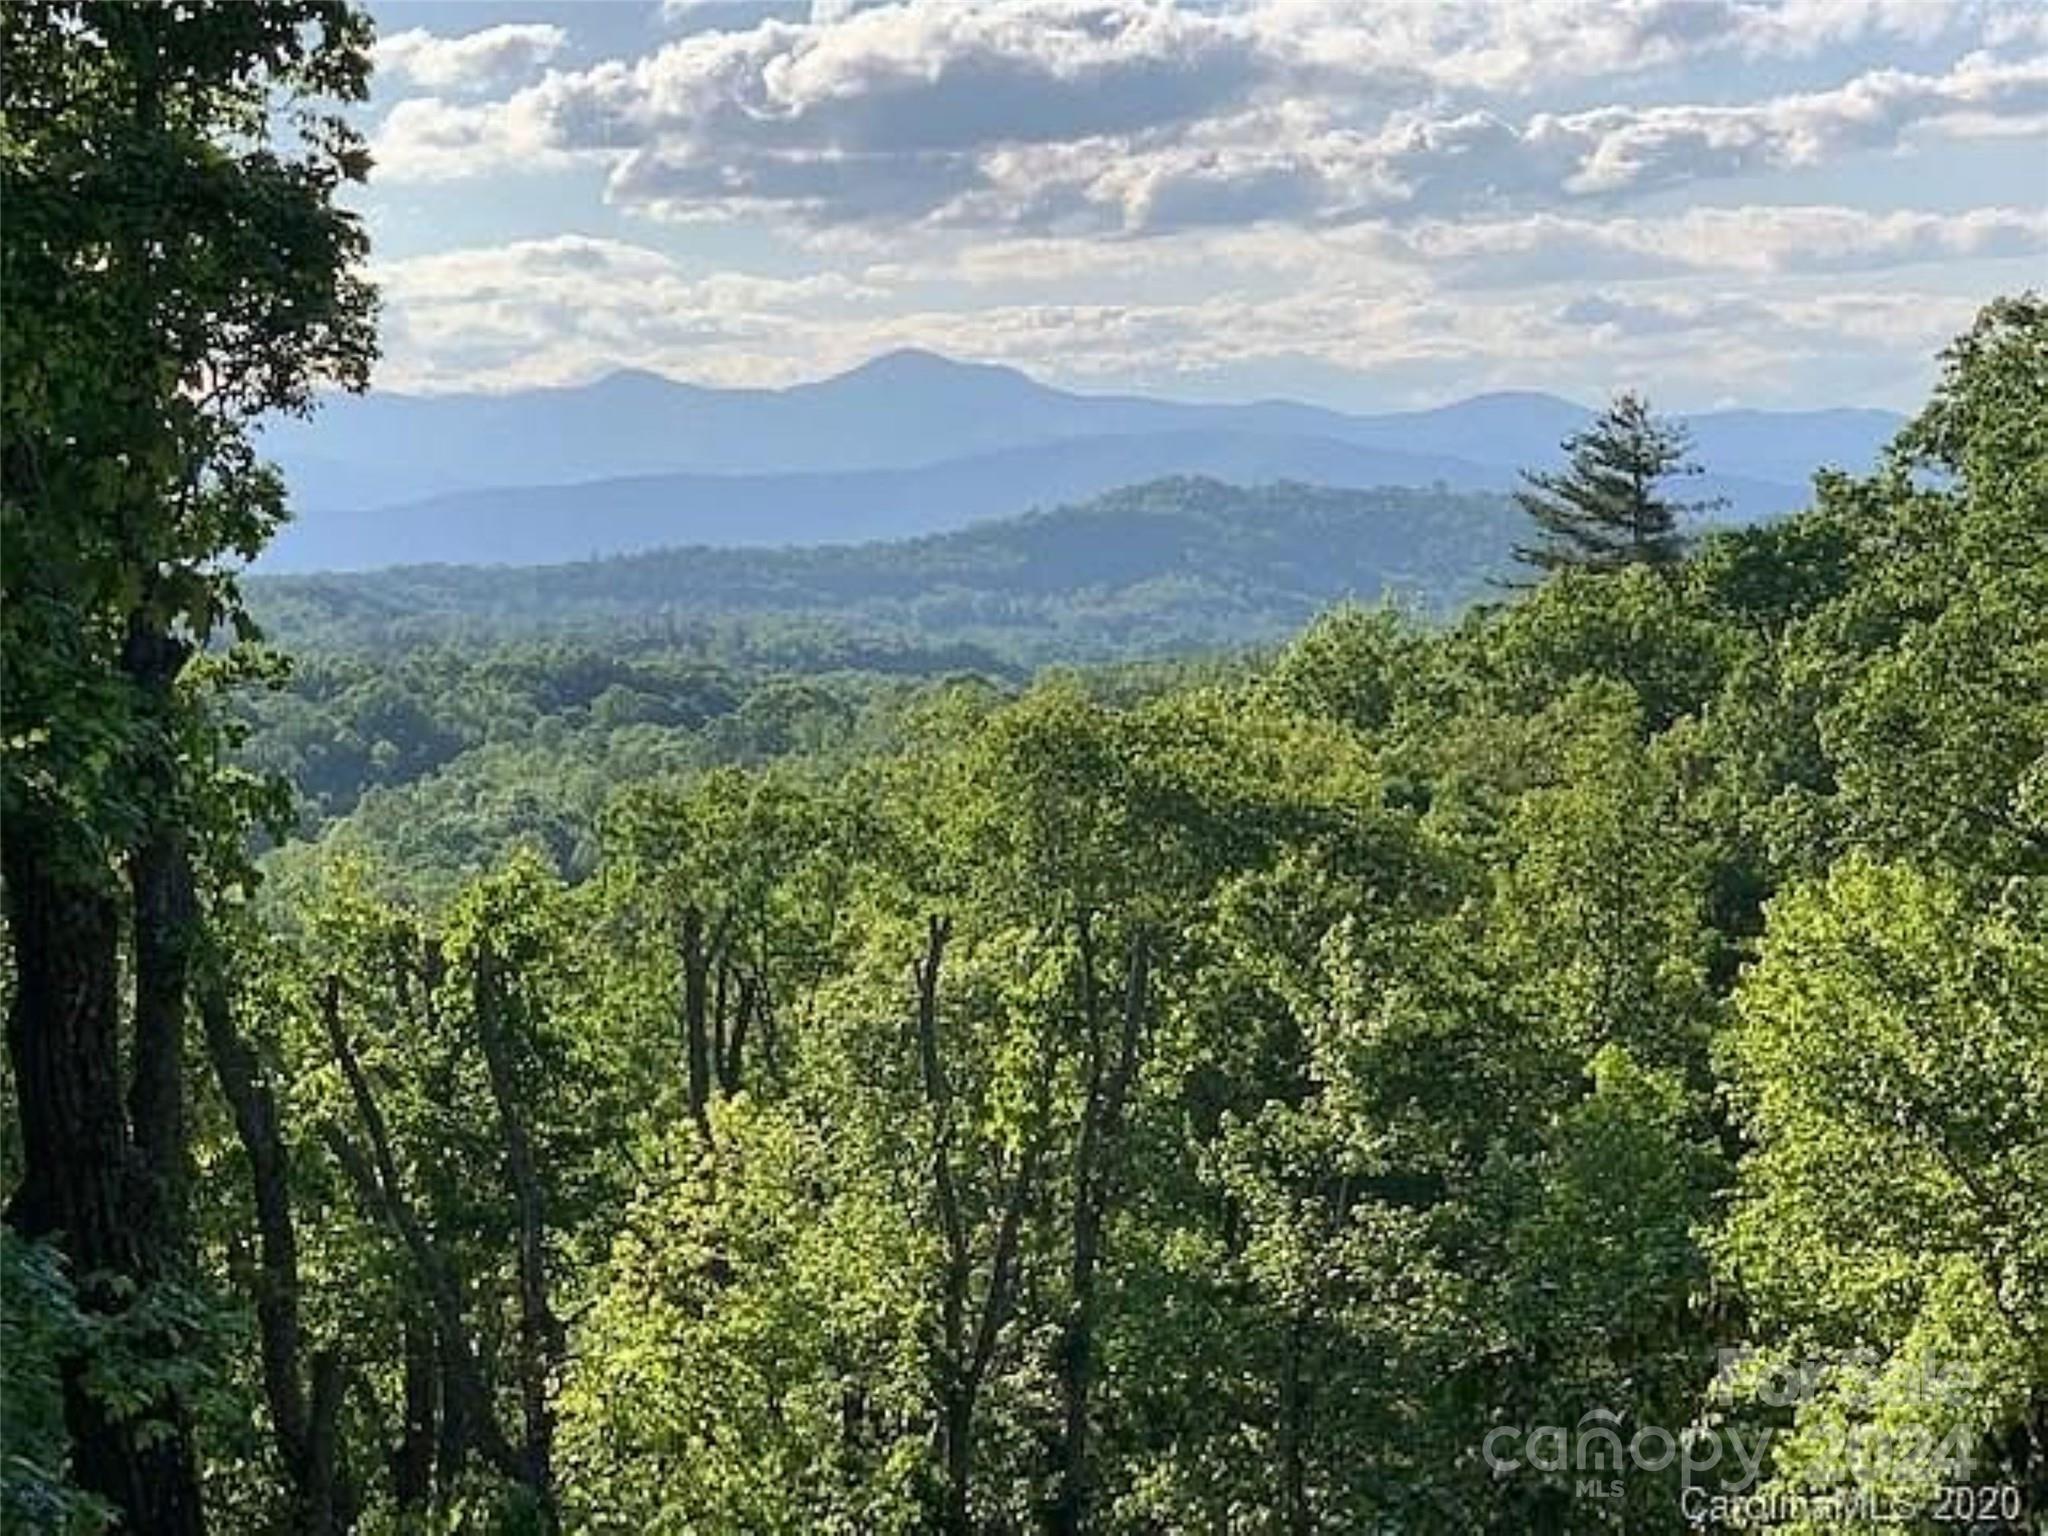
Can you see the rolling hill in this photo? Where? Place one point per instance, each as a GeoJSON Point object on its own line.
{"type": "Point", "coordinates": [1173, 565]}
{"type": "Point", "coordinates": [533, 525]}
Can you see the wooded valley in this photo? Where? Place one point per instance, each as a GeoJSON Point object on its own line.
{"type": "Point", "coordinates": [828, 1041]}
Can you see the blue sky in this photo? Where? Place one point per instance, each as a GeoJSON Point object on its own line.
{"type": "Point", "coordinates": [1369, 203]}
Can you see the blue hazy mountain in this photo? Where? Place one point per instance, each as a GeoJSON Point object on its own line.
{"type": "Point", "coordinates": [539, 524]}
{"type": "Point", "coordinates": [908, 443]}
{"type": "Point", "coordinates": [1164, 568]}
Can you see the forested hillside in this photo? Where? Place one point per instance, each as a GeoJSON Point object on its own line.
{"type": "Point", "coordinates": [452, 713]}
{"type": "Point", "coordinates": [1155, 569]}
{"type": "Point", "coordinates": [1214, 1104]}
{"type": "Point", "coordinates": [1576, 1064]}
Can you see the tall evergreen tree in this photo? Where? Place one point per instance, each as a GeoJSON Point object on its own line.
{"type": "Point", "coordinates": [1608, 506]}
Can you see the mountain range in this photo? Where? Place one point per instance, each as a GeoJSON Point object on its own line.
{"type": "Point", "coordinates": [1165, 568]}
{"type": "Point", "coordinates": [908, 444]}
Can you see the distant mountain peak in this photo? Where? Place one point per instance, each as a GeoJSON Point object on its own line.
{"type": "Point", "coordinates": [898, 359]}
{"type": "Point", "coordinates": [986, 439]}
{"type": "Point", "coordinates": [909, 357]}
{"type": "Point", "coordinates": [621, 381]}
{"type": "Point", "coordinates": [1537, 398]}
{"type": "Point", "coordinates": [917, 365]}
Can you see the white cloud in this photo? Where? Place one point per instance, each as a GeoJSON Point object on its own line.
{"type": "Point", "coordinates": [1662, 316]}
{"type": "Point", "coordinates": [428, 139]}
{"type": "Point", "coordinates": [1141, 116]}
{"type": "Point", "coordinates": [1839, 320]}
{"type": "Point", "coordinates": [742, 15]}
{"type": "Point", "coordinates": [1295, 163]}
{"type": "Point", "coordinates": [1491, 191]}
{"type": "Point", "coordinates": [571, 306]}
{"type": "Point", "coordinates": [1760, 241]}
{"type": "Point", "coordinates": [1521, 45]}
{"type": "Point", "coordinates": [472, 61]}
{"type": "Point", "coordinates": [1623, 149]}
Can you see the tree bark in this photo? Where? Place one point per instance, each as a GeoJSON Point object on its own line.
{"type": "Point", "coordinates": [963, 1357]}
{"type": "Point", "coordinates": [1295, 1516]}
{"type": "Point", "coordinates": [955, 1394]}
{"type": "Point", "coordinates": [64, 1038]}
{"type": "Point", "coordinates": [328, 1497]}
{"type": "Point", "coordinates": [1107, 1089]}
{"type": "Point", "coordinates": [165, 921]}
{"type": "Point", "coordinates": [696, 1042]}
{"type": "Point", "coordinates": [412, 1459]}
{"type": "Point", "coordinates": [305, 1423]}
{"type": "Point", "coordinates": [79, 1176]}
{"type": "Point", "coordinates": [541, 1337]}
{"type": "Point", "coordinates": [733, 1060]}
{"type": "Point", "coordinates": [165, 917]}
{"type": "Point", "coordinates": [721, 1003]}
{"type": "Point", "coordinates": [466, 1399]}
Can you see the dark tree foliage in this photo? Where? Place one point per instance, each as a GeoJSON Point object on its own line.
{"type": "Point", "coordinates": [1609, 507]}
{"type": "Point", "coordinates": [173, 265]}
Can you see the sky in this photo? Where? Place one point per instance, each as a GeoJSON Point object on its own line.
{"type": "Point", "coordinates": [1365, 203]}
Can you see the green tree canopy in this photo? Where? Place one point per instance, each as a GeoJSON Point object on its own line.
{"type": "Point", "coordinates": [174, 265]}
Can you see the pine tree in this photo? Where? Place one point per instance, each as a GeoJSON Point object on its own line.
{"type": "Point", "coordinates": [1607, 508]}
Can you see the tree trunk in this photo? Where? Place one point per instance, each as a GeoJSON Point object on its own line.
{"type": "Point", "coordinates": [78, 1174]}
{"type": "Point", "coordinates": [956, 1432]}
{"type": "Point", "coordinates": [460, 1432]}
{"type": "Point", "coordinates": [466, 1400]}
{"type": "Point", "coordinates": [1291, 1433]}
{"type": "Point", "coordinates": [541, 1339]}
{"type": "Point", "coordinates": [326, 1496]}
{"type": "Point", "coordinates": [165, 915]}
{"type": "Point", "coordinates": [696, 1040]}
{"type": "Point", "coordinates": [1107, 1088]}
{"type": "Point", "coordinates": [412, 1460]}
{"type": "Point", "coordinates": [962, 1356]}
{"type": "Point", "coordinates": [733, 1058]}
{"type": "Point", "coordinates": [165, 919]}
{"type": "Point", "coordinates": [951, 1386]}
{"type": "Point", "coordinates": [721, 1003]}
{"type": "Point", "coordinates": [305, 1424]}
